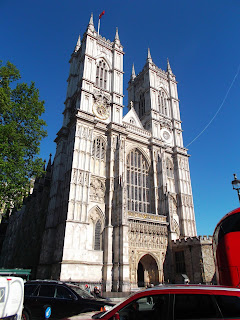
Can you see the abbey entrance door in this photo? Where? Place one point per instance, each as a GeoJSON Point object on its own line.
{"type": "Point", "coordinates": [147, 272]}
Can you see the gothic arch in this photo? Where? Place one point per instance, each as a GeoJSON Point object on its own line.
{"type": "Point", "coordinates": [163, 102]}
{"type": "Point", "coordinates": [138, 182]}
{"type": "Point", "coordinates": [147, 270]}
{"type": "Point", "coordinates": [141, 150]}
{"type": "Point", "coordinates": [98, 156]}
{"type": "Point", "coordinates": [142, 104]}
{"type": "Point", "coordinates": [152, 255]}
{"type": "Point", "coordinates": [169, 168]}
{"type": "Point", "coordinates": [164, 90]}
{"type": "Point", "coordinates": [102, 79]}
{"type": "Point", "coordinates": [100, 136]}
{"type": "Point", "coordinates": [96, 227]}
{"type": "Point", "coordinates": [103, 57]}
{"type": "Point", "coordinates": [96, 213]}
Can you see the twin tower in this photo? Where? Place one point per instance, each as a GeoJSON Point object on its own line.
{"type": "Point", "coordinates": [121, 188]}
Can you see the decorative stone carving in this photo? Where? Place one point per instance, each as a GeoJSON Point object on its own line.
{"type": "Point", "coordinates": [165, 123]}
{"type": "Point", "coordinates": [176, 228]}
{"type": "Point", "coordinates": [187, 200]}
{"type": "Point", "coordinates": [147, 235]}
{"type": "Point", "coordinates": [101, 106]}
{"type": "Point", "coordinates": [97, 190]}
{"type": "Point", "coordinates": [146, 216]}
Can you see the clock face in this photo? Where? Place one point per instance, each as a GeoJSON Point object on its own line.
{"type": "Point", "coordinates": [101, 111]}
{"type": "Point", "coordinates": [166, 135]}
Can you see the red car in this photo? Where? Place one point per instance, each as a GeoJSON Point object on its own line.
{"type": "Point", "coordinates": [177, 302]}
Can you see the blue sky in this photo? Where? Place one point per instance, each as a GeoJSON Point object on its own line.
{"type": "Point", "coordinates": [201, 40]}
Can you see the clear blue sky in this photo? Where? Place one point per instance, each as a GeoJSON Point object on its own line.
{"type": "Point", "coordinates": [201, 40]}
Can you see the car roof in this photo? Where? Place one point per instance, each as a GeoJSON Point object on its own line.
{"type": "Point", "coordinates": [45, 282]}
{"type": "Point", "coordinates": [192, 287]}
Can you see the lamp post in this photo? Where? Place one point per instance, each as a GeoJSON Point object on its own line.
{"type": "Point", "coordinates": [236, 185]}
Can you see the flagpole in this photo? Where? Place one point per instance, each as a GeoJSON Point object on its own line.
{"type": "Point", "coordinates": [98, 26]}
{"type": "Point", "coordinates": [99, 17]}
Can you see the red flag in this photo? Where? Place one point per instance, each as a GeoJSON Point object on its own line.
{"type": "Point", "coordinates": [101, 14]}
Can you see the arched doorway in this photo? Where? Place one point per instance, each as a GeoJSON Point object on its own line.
{"type": "Point", "coordinates": [140, 275]}
{"type": "Point", "coordinates": [147, 272]}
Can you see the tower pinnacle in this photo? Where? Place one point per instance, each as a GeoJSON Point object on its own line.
{"type": "Point", "coordinates": [91, 19]}
{"type": "Point", "coordinates": [116, 35]}
{"type": "Point", "coordinates": [133, 76]}
{"type": "Point", "coordinates": [169, 70]}
{"type": "Point", "coordinates": [91, 24]}
{"type": "Point", "coordinates": [78, 45]}
{"type": "Point", "coordinates": [149, 58]}
{"type": "Point", "coordinates": [116, 39]}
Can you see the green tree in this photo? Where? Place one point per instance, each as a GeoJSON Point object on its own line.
{"type": "Point", "coordinates": [21, 131]}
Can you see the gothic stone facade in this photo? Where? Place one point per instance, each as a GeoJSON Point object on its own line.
{"type": "Point", "coordinates": [120, 185]}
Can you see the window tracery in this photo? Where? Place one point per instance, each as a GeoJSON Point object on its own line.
{"type": "Point", "coordinates": [169, 168]}
{"type": "Point", "coordinates": [98, 157]}
{"type": "Point", "coordinates": [102, 74]}
{"type": "Point", "coordinates": [98, 150]}
{"type": "Point", "coordinates": [163, 103]}
{"type": "Point", "coordinates": [97, 236]}
{"type": "Point", "coordinates": [141, 104]}
{"type": "Point", "coordinates": [138, 182]}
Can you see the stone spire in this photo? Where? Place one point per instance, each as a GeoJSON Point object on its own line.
{"type": "Point", "coordinates": [169, 70]}
{"type": "Point", "coordinates": [133, 76]}
{"type": "Point", "coordinates": [116, 39]}
{"type": "Point", "coordinates": [78, 45]}
{"type": "Point", "coordinates": [116, 35]}
{"type": "Point", "coordinates": [149, 58]}
{"type": "Point", "coordinates": [90, 24]}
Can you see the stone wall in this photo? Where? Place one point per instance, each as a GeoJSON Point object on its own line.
{"type": "Point", "coordinates": [22, 242]}
{"type": "Point", "coordinates": [198, 265]}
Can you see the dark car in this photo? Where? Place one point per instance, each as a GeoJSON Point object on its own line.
{"type": "Point", "coordinates": [64, 300]}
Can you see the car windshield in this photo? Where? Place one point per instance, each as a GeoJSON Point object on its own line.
{"type": "Point", "coordinates": [81, 292]}
{"type": "Point", "coordinates": [99, 315]}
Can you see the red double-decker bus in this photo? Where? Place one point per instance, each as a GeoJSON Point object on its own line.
{"type": "Point", "coordinates": [226, 248]}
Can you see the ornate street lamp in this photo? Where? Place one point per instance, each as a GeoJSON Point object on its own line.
{"type": "Point", "coordinates": [236, 185]}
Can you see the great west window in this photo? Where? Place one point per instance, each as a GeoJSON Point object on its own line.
{"type": "Point", "coordinates": [138, 182]}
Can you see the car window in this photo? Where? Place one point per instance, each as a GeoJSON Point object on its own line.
{"type": "Point", "coordinates": [64, 293]}
{"type": "Point", "coordinates": [29, 289]}
{"type": "Point", "coordinates": [195, 306]}
{"type": "Point", "coordinates": [82, 293]}
{"type": "Point", "coordinates": [229, 305]}
{"type": "Point", "coordinates": [47, 290]}
{"type": "Point", "coordinates": [149, 307]}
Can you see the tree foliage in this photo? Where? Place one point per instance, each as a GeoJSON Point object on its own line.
{"type": "Point", "coordinates": [21, 131]}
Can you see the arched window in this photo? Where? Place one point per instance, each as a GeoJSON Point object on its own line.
{"type": "Point", "coordinates": [97, 236]}
{"type": "Point", "coordinates": [138, 182]}
{"type": "Point", "coordinates": [98, 157]}
{"type": "Point", "coordinates": [163, 103]}
{"type": "Point", "coordinates": [169, 167]}
{"type": "Point", "coordinates": [98, 149]}
{"type": "Point", "coordinates": [102, 74]}
{"type": "Point", "coordinates": [141, 104]}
